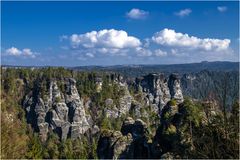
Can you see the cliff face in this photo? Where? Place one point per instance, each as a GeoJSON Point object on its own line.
{"type": "Point", "coordinates": [61, 111]}
{"type": "Point", "coordinates": [207, 85]}
{"type": "Point", "coordinates": [60, 108]}
{"type": "Point", "coordinates": [159, 89]}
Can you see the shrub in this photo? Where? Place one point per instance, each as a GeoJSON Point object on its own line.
{"type": "Point", "coordinates": [172, 102]}
{"type": "Point", "coordinates": [167, 115]}
{"type": "Point", "coordinates": [57, 100]}
{"type": "Point", "coordinates": [171, 130]}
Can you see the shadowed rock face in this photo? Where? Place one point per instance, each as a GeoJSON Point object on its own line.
{"type": "Point", "coordinates": [131, 142]}
{"type": "Point", "coordinates": [61, 111]}
{"type": "Point", "coordinates": [113, 145]}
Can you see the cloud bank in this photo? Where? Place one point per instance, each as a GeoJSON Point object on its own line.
{"type": "Point", "coordinates": [166, 44]}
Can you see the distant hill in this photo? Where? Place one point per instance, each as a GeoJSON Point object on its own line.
{"type": "Point", "coordinates": [139, 70]}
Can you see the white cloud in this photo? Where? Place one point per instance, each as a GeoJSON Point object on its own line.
{"type": "Point", "coordinates": [169, 37]}
{"type": "Point", "coordinates": [13, 51]}
{"type": "Point", "coordinates": [222, 8]}
{"type": "Point", "coordinates": [160, 53]}
{"type": "Point", "coordinates": [143, 51]}
{"type": "Point", "coordinates": [184, 12]}
{"type": "Point", "coordinates": [137, 14]}
{"type": "Point", "coordinates": [26, 52]}
{"type": "Point", "coordinates": [166, 44]}
{"type": "Point", "coordinates": [105, 38]}
{"type": "Point", "coordinates": [90, 55]}
{"type": "Point", "coordinates": [104, 41]}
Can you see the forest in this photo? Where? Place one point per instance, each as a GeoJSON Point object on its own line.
{"type": "Point", "coordinates": [203, 125]}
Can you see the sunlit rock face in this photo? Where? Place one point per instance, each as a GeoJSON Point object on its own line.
{"type": "Point", "coordinates": [159, 89]}
{"type": "Point", "coordinates": [175, 90]}
{"type": "Point", "coordinates": [61, 110]}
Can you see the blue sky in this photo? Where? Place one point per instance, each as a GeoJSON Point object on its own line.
{"type": "Point", "coordinates": [111, 33]}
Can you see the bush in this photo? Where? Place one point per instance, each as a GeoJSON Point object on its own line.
{"type": "Point", "coordinates": [167, 115]}
{"type": "Point", "coordinates": [171, 130]}
{"type": "Point", "coordinates": [57, 100]}
{"type": "Point", "coordinates": [172, 102]}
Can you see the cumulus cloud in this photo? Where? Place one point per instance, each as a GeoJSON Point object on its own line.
{"type": "Point", "coordinates": [143, 51]}
{"type": "Point", "coordinates": [167, 44]}
{"type": "Point", "coordinates": [183, 13]}
{"type": "Point", "coordinates": [160, 53]}
{"type": "Point", "coordinates": [137, 14]}
{"type": "Point", "coordinates": [169, 37]}
{"type": "Point", "coordinates": [26, 52]}
{"type": "Point", "coordinates": [222, 8]}
{"type": "Point", "coordinates": [104, 41]}
{"type": "Point", "coordinates": [13, 51]}
{"type": "Point", "coordinates": [90, 55]}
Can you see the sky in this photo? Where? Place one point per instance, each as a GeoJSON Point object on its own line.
{"type": "Point", "coordinates": [118, 33]}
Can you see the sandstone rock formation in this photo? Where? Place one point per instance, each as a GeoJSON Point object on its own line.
{"type": "Point", "coordinates": [113, 145]}
{"type": "Point", "coordinates": [60, 108]}
{"type": "Point", "coordinates": [159, 89]}
{"type": "Point", "coordinates": [61, 111]}
{"type": "Point", "coordinates": [131, 142]}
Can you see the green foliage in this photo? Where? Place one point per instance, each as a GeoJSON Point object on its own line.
{"type": "Point", "coordinates": [13, 124]}
{"type": "Point", "coordinates": [210, 141]}
{"type": "Point", "coordinates": [58, 99]}
{"type": "Point", "coordinates": [172, 102]}
{"type": "Point", "coordinates": [105, 123]}
{"type": "Point", "coordinates": [61, 86]}
{"type": "Point", "coordinates": [170, 130]}
{"type": "Point", "coordinates": [66, 149]}
{"type": "Point", "coordinates": [193, 112]}
{"type": "Point", "coordinates": [51, 150]}
{"type": "Point", "coordinates": [93, 153]}
{"type": "Point", "coordinates": [167, 115]}
{"type": "Point", "coordinates": [35, 148]}
{"type": "Point", "coordinates": [81, 148]}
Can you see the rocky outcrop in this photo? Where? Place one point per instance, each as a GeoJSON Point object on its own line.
{"type": "Point", "coordinates": [113, 145]}
{"type": "Point", "coordinates": [130, 143]}
{"type": "Point", "coordinates": [159, 90]}
{"type": "Point", "coordinates": [61, 110]}
{"type": "Point", "coordinates": [175, 88]}
{"type": "Point", "coordinates": [125, 101]}
{"type": "Point", "coordinates": [156, 87]}
{"type": "Point", "coordinates": [79, 120]}
{"type": "Point", "coordinates": [138, 130]}
{"type": "Point", "coordinates": [174, 134]}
